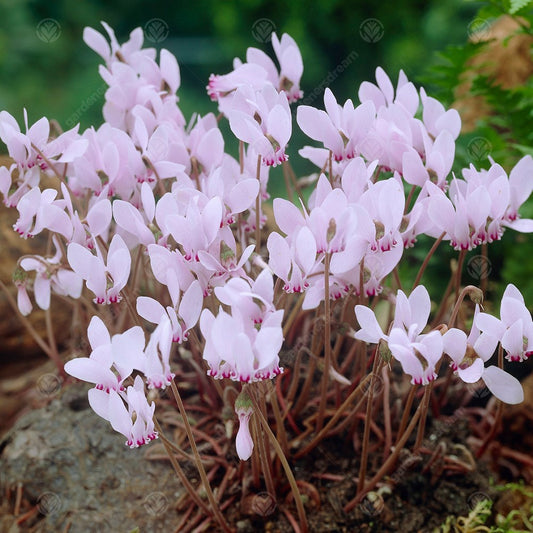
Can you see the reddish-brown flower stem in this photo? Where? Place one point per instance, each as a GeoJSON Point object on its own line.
{"type": "Point", "coordinates": [406, 412]}
{"type": "Point", "coordinates": [368, 419]}
{"type": "Point", "coordinates": [201, 470]}
{"type": "Point", "coordinates": [258, 209]}
{"type": "Point", "coordinates": [285, 464]}
{"type": "Point", "coordinates": [426, 260]}
{"type": "Point", "coordinates": [327, 345]}
{"type": "Point", "coordinates": [179, 472]}
{"type": "Point", "coordinates": [387, 465]}
{"type": "Point", "coordinates": [332, 421]}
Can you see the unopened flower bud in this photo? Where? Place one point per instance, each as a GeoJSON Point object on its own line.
{"type": "Point", "coordinates": [243, 442]}
{"type": "Point", "coordinates": [476, 294]}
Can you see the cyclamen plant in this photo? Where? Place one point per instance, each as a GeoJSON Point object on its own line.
{"type": "Point", "coordinates": [160, 226]}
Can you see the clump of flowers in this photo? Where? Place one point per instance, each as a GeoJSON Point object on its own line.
{"type": "Point", "coordinates": [154, 223]}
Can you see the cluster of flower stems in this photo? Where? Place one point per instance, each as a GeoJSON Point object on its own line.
{"type": "Point", "coordinates": [296, 332]}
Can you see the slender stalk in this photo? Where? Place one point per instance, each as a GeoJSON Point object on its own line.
{"type": "Point", "coordinates": [368, 419]}
{"type": "Point", "coordinates": [179, 472]}
{"type": "Point", "coordinates": [468, 289]}
{"type": "Point", "coordinates": [294, 314]}
{"type": "Point", "coordinates": [31, 330]}
{"type": "Point", "coordinates": [295, 183]}
{"type": "Point", "coordinates": [386, 412]}
{"type": "Point", "coordinates": [51, 335]}
{"type": "Point", "coordinates": [286, 177]}
{"type": "Point", "coordinates": [264, 455]}
{"type": "Point", "coordinates": [497, 419]}
{"type": "Point", "coordinates": [423, 416]}
{"type": "Point", "coordinates": [409, 199]}
{"type": "Point", "coordinates": [406, 412]}
{"type": "Point", "coordinates": [241, 156]}
{"type": "Point", "coordinates": [285, 464]}
{"type": "Point", "coordinates": [458, 273]}
{"type": "Point", "coordinates": [258, 209]}
{"type": "Point", "coordinates": [327, 345]}
{"type": "Point", "coordinates": [280, 427]}
{"type": "Point", "coordinates": [426, 260]}
{"type": "Point", "coordinates": [484, 277]}
{"type": "Point", "coordinates": [387, 465]}
{"type": "Point", "coordinates": [332, 421]}
{"type": "Point", "coordinates": [199, 464]}
{"type": "Point", "coordinates": [330, 165]}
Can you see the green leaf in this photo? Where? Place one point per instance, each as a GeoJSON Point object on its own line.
{"type": "Point", "coordinates": [517, 5]}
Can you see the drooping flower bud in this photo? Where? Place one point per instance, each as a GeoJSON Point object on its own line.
{"type": "Point", "coordinates": [243, 441]}
{"type": "Point", "coordinates": [20, 277]}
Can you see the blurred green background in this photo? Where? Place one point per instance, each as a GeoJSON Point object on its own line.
{"type": "Point", "coordinates": [54, 76]}
{"type": "Point", "coordinates": [46, 67]}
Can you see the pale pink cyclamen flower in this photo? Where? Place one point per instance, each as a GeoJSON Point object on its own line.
{"type": "Point", "coordinates": [418, 353]}
{"type": "Point", "coordinates": [39, 210]}
{"type": "Point", "coordinates": [183, 315]}
{"type": "Point", "coordinates": [112, 359]}
{"type": "Point", "coordinates": [260, 70]}
{"type": "Point", "coordinates": [50, 276]}
{"type": "Point", "coordinates": [469, 355]}
{"type": "Point", "coordinates": [514, 329]}
{"type": "Point", "coordinates": [32, 153]}
{"type": "Point", "coordinates": [104, 279]}
{"type": "Point", "coordinates": [340, 129]}
{"type": "Point", "coordinates": [135, 421]}
{"type": "Point", "coordinates": [252, 299]}
{"type": "Point", "coordinates": [263, 120]}
{"type": "Point", "coordinates": [155, 365]}
{"type": "Point", "coordinates": [235, 349]}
